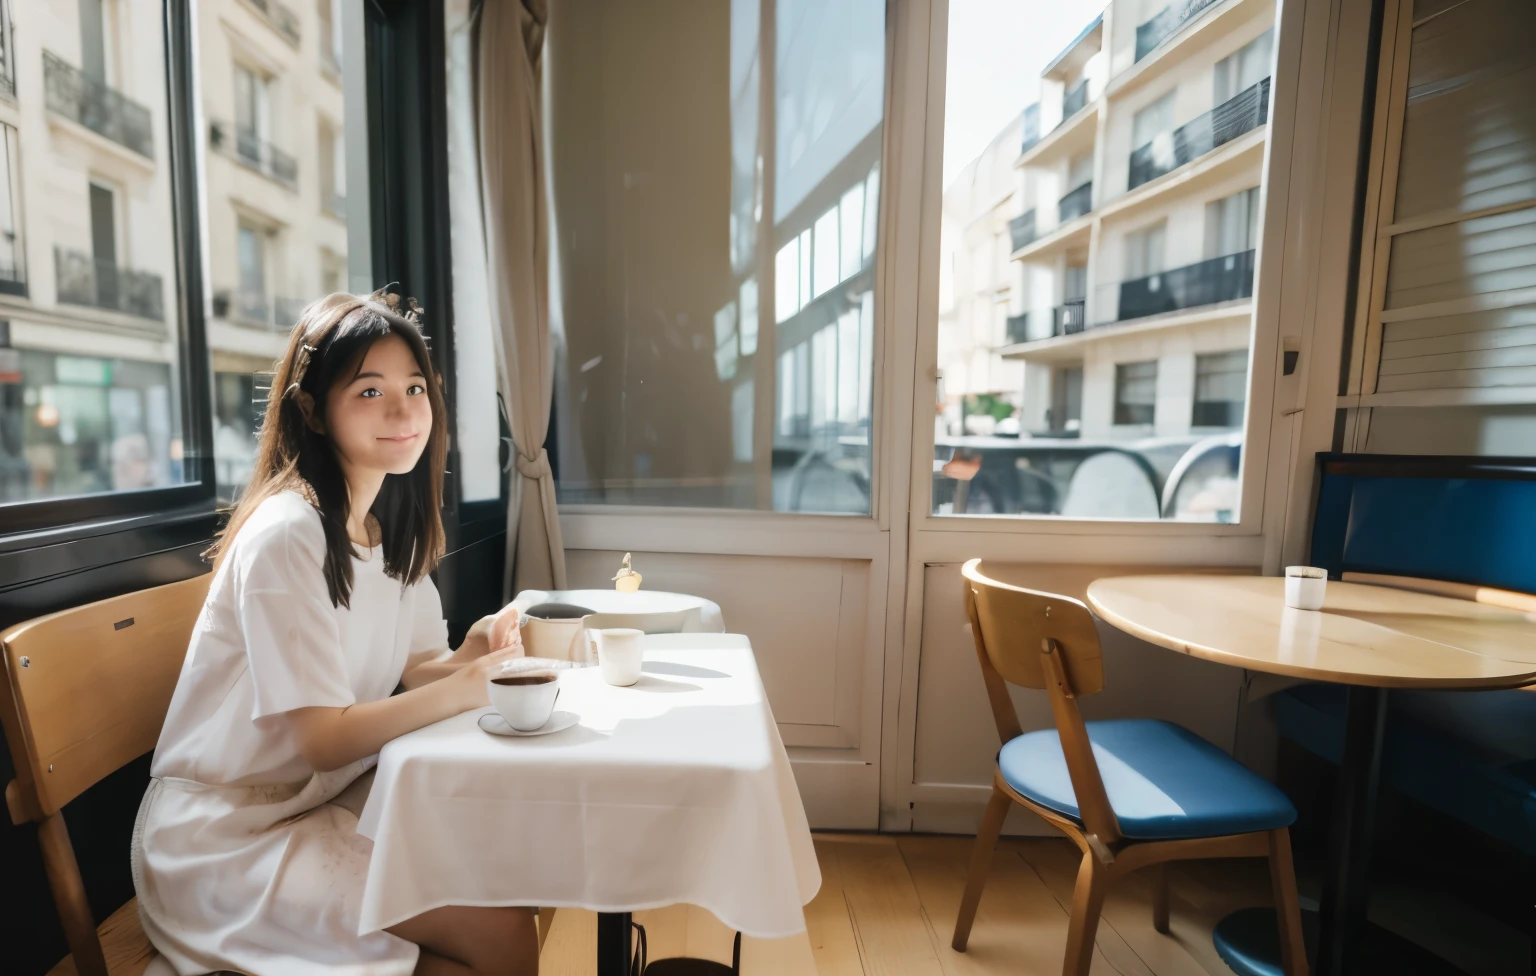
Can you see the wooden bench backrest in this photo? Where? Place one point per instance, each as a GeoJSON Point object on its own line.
{"type": "Point", "coordinates": [85, 690]}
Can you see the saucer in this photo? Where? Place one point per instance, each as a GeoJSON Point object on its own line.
{"type": "Point", "coordinates": [496, 725]}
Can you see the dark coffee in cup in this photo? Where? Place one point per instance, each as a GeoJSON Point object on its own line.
{"type": "Point", "coordinates": [542, 678]}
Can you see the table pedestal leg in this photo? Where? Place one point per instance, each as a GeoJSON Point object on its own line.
{"type": "Point", "coordinates": [1348, 886]}
{"type": "Point", "coordinates": [1340, 941]}
{"type": "Point", "coordinates": [614, 953]}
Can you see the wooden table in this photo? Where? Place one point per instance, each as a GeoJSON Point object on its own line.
{"type": "Point", "coordinates": [1370, 638]}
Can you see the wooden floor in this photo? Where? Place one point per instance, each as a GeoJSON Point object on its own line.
{"type": "Point", "coordinates": [887, 906]}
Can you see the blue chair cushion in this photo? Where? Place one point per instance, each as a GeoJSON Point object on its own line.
{"type": "Point", "coordinates": [1164, 782]}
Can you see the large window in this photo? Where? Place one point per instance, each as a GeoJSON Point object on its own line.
{"type": "Point", "coordinates": [1443, 358]}
{"type": "Point", "coordinates": [275, 193]}
{"type": "Point", "coordinates": [91, 376]}
{"type": "Point", "coordinates": [715, 171]}
{"type": "Point", "coordinates": [1130, 283]}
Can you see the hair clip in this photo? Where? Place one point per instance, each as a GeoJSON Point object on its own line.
{"type": "Point", "coordinates": [300, 366]}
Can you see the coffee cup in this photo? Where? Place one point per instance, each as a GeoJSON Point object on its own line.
{"type": "Point", "coordinates": [1305, 587]}
{"type": "Point", "coordinates": [619, 654]}
{"type": "Point", "coordinates": [526, 699]}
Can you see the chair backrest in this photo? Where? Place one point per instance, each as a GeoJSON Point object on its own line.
{"type": "Point", "coordinates": [1014, 621]}
{"type": "Point", "coordinates": [1049, 641]}
{"type": "Point", "coordinates": [85, 691]}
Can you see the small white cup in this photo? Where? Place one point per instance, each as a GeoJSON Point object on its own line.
{"type": "Point", "coordinates": [1305, 587]}
{"type": "Point", "coordinates": [619, 654]}
{"type": "Point", "coordinates": [526, 699]}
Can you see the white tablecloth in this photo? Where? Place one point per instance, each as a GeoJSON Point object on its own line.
{"type": "Point", "coordinates": [704, 615]}
{"type": "Point", "coordinates": [674, 791]}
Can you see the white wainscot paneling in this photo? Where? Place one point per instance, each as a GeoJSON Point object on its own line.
{"type": "Point", "coordinates": [809, 620]}
{"type": "Point", "coordinates": [956, 738]}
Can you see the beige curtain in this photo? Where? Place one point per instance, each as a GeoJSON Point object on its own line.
{"type": "Point", "coordinates": [509, 119]}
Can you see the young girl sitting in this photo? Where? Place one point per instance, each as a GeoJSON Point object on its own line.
{"type": "Point", "coordinates": [246, 853]}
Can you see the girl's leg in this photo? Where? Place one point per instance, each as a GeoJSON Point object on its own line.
{"type": "Point", "coordinates": [459, 941]}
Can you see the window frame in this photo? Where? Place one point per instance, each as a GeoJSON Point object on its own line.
{"type": "Point", "coordinates": [1318, 74]}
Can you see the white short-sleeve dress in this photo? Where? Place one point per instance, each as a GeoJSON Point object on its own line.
{"type": "Point", "coordinates": [244, 857]}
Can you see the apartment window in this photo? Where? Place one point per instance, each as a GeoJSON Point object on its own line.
{"type": "Point", "coordinates": [7, 53]}
{"type": "Point", "coordinates": [1221, 387]}
{"type": "Point", "coordinates": [1232, 224]}
{"type": "Point", "coordinates": [333, 171]}
{"type": "Point", "coordinates": [718, 313]}
{"type": "Point", "coordinates": [252, 122]}
{"type": "Point", "coordinates": [13, 265]}
{"type": "Point", "coordinates": [329, 12]}
{"type": "Point", "coordinates": [1144, 251]}
{"type": "Point", "coordinates": [1080, 171]}
{"type": "Point", "coordinates": [1245, 68]}
{"type": "Point", "coordinates": [94, 47]}
{"type": "Point", "coordinates": [1152, 121]}
{"type": "Point", "coordinates": [1135, 392]}
{"type": "Point", "coordinates": [1075, 285]}
{"type": "Point", "coordinates": [251, 298]}
{"type": "Point", "coordinates": [1441, 361]}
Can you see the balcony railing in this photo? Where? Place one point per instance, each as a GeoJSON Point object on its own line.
{"type": "Point", "coordinates": [277, 314]}
{"type": "Point", "coordinates": [1243, 112]}
{"type": "Point", "coordinates": [1073, 101]}
{"type": "Point", "coordinates": [283, 20]}
{"type": "Point", "coordinates": [1068, 318]}
{"type": "Point", "coordinates": [1031, 127]}
{"type": "Point", "coordinates": [1076, 203]}
{"type": "Point", "coordinates": [13, 280]}
{"type": "Point", "coordinates": [248, 148]}
{"type": "Point", "coordinates": [1018, 328]}
{"type": "Point", "coordinates": [83, 280]}
{"type": "Point", "coordinates": [1022, 229]}
{"type": "Point", "coordinates": [68, 92]}
{"type": "Point", "coordinates": [1222, 279]}
{"type": "Point", "coordinates": [1165, 23]}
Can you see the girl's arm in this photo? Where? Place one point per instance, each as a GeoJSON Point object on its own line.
{"type": "Point", "coordinates": [499, 630]}
{"type": "Point", "coordinates": [329, 738]}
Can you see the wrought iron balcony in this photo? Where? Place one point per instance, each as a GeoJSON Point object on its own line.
{"type": "Point", "coordinates": [1166, 22]}
{"type": "Point", "coordinates": [1018, 328]}
{"type": "Point", "coordinates": [245, 146]}
{"type": "Point", "coordinates": [83, 280]}
{"type": "Point", "coordinates": [1074, 99]}
{"type": "Point", "coordinates": [1243, 112]}
{"type": "Point", "coordinates": [13, 280]}
{"type": "Point", "coordinates": [1068, 318]}
{"type": "Point", "coordinates": [288, 312]}
{"type": "Point", "coordinates": [283, 20]}
{"type": "Point", "coordinates": [1222, 279]}
{"type": "Point", "coordinates": [1031, 127]}
{"type": "Point", "coordinates": [68, 92]}
{"type": "Point", "coordinates": [1076, 203]}
{"type": "Point", "coordinates": [1022, 229]}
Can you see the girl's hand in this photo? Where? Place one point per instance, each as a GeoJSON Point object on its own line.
{"type": "Point", "coordinates": [472, 677]}
{"type": "Point", "coordinates": [505, 629]}
{"type": "Point", "coordinates": [492, 632]}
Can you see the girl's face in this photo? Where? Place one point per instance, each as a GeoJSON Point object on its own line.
{"type": "Point", "coordinates": [379, 419]}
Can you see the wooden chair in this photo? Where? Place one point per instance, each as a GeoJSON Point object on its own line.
{"type": "Point", "coordinates": [82, 693]}
{"type": "Point", "coordinates": [1130, 793]}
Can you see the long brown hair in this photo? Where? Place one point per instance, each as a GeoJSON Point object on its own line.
{"type": "Point", "coordinates": [329, 342]}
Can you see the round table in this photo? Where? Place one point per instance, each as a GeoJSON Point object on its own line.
{"type": "Point", "coordinates": [1370, 638]}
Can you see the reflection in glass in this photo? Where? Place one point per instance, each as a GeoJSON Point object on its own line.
{"type": "Point", "coordinates": [90, 376]}
{"type": "Point", "coordinates": [715, 251]}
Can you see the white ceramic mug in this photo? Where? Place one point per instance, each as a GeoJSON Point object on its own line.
{"type": "Point", "coordinates": [619, 654]}
{"type": "Point", "coordinates": [526, 699]}
{"type": "Point", "coordinates": [1305, 587]}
